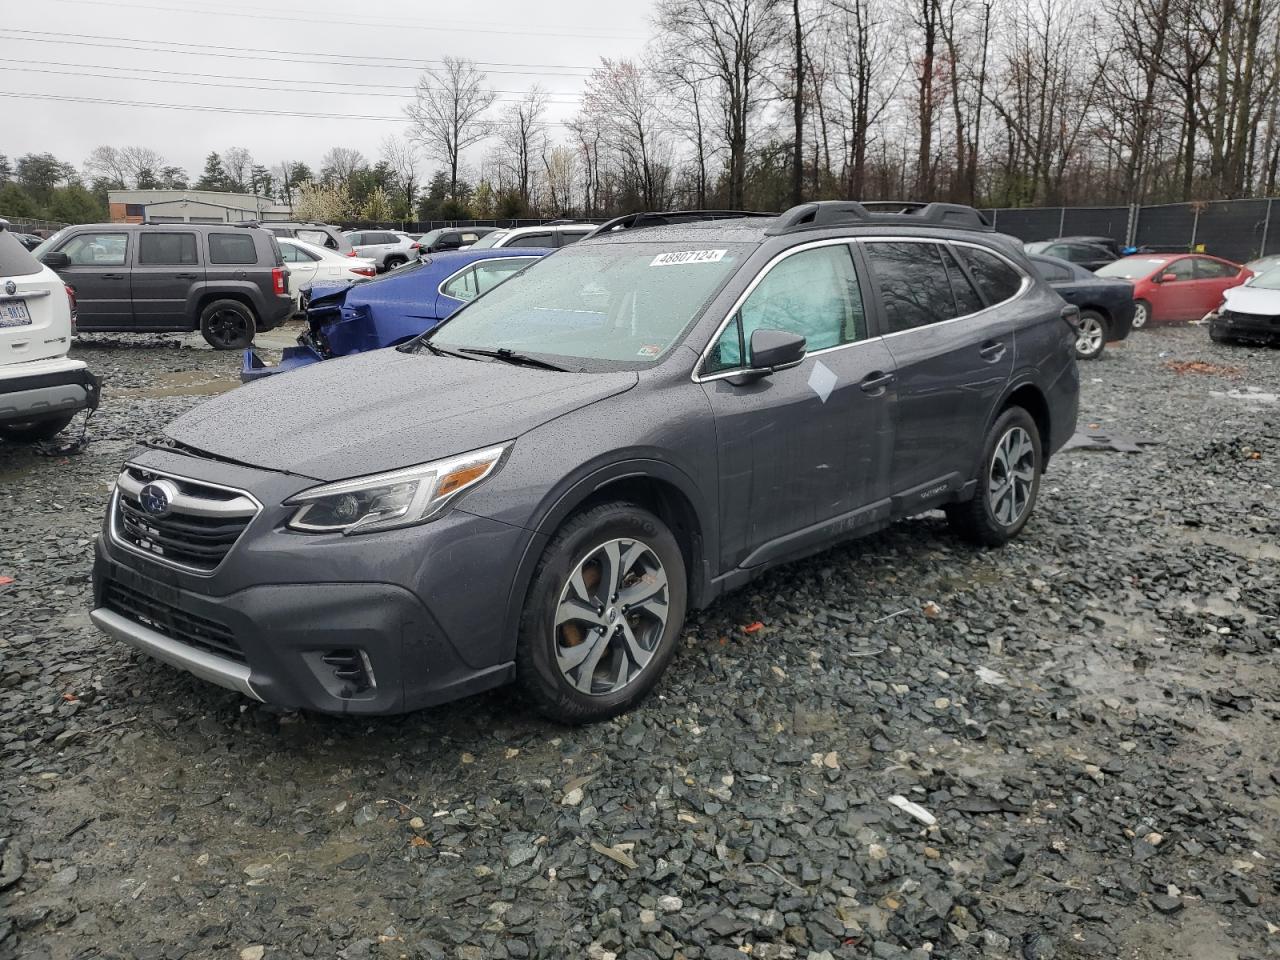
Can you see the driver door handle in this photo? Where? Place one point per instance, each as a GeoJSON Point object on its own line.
{"type": "Point", "coordinates": [876, 382]}
{"type": "Point", "coordinates": [113, 276]}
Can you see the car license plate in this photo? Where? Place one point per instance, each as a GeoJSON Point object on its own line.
{"type": "Point", "coordinates": [14, 313]}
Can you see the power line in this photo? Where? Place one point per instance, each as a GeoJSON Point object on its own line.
{"type": "Point", "coordinates": [361, 22]}
{"type": "Point", "coordinates": [234, 86]}
{"type": "Point", "coordinates": [256, 53]}
{"type": "Point", "coordinates": [247, 111]}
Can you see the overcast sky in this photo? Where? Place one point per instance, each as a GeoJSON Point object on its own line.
{"type": "Point", "coordinates": [189, 52]}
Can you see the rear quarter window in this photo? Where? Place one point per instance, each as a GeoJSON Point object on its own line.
{"type": "Point", "coordinates": [996, 279]}
{"type": "Point", "coordinates": [232, 248]}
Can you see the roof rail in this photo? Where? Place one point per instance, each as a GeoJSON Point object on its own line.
{"type": "Point", "coordinates": [662, 218]}
{"type": "Point", "coordinates": [828, 213]}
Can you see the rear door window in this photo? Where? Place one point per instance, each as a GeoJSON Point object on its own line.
{"type": "Point", "coordinates": [1213, 270]}
{"type": "Point", "coordinates": [533, 240]}
{"type": "Point", "coordinates": [995, 278]}
{"type": "Point", "coordinates": [232, 248]}
{"type": "Point", "coordinates": [915, 289]}
{"type": "Point", "coordinates": [967, 298]}
{"type": "Point", "coordinates": [167, 249]}
{"type": "Point", "coordinates": [1050, 271]}
{"type": "Point", "coordinates": [571, 236]}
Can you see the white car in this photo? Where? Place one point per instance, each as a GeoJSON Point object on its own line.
{"type": "Point", "coordinates": [40, 388]}
{"type": "Point", "coordinates": [1250, 311]}
{"type": "Point", "coordinates": [548, 235]}
{"type": "Point", "coordinates": [308, 263]}
{"type": "Point", "coordinates": [388, 249]}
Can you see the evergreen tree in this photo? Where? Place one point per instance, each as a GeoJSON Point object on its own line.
{"type": "Point", "coordinates": [215, 175]}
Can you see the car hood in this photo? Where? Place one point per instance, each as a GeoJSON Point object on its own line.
{"type": "Point", "coordinates": [384, 410]}
{"type": "Point", "coordinates": [1252, 300]}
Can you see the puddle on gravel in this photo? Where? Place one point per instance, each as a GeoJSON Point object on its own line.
{"type": "Point", "coordinates": [1240, 546]}
{"type": "Point", "coordinates": [180, 383]}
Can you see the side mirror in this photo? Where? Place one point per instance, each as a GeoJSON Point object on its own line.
{"type": "Point", "coordinates": [56, 260]}
{"type": "Point", "coordinates": [1168, 277]}
{"type": "Point", "coordinates": [773, 350]}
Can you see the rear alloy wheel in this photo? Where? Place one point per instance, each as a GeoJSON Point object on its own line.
{"type": "Point", "coordinates": [393, 262]}
{"type": "Point", "coordinates": [1008, 485]}
{"type": "Point", "coordinates": [1091, 337]}
{"type": "Point", "coordinates": [28, 431]}
{"type": "Point", "coordinates": [604, 610]}
{"type": "Point", "coordinates": [228, 325]}
{"type": "Point", "coordinates": [1141, 314]}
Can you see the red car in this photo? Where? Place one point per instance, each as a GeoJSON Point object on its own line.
{"type": "Point", "coordinates": [1175, 286]}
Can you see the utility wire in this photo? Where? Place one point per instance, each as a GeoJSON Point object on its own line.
{"type": "Point", "coordinates": [358, 21]}
{"type": "Point", "coordinates": [257, 54]}
{"type": "Point", "coordinates": [235, 86]}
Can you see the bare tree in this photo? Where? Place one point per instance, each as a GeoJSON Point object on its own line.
{"type": "Point", "coordinates": [731, 40]}
{"type": "Point", "coordinates": [401, 155]}
{"type": "Point", "coordinates": [340, 164]}
{"type": "Point", "coordinates": [105, 163]}
{"type": "Point", "coordinates": [141, 163]}
{"type": "Point", "coordinates": [622, 101]}
{"type": "Point", "coordinates": [522, 129]}
{"type": "Point", "coordinates": [238, 163]}
{"type": "Point", "coordinates": [447, 111]}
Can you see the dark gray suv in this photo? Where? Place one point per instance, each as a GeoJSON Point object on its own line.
{"type": "Point", "coordinates": [538, 489]}
{"type": "Point", "coordinates": [228, 281]}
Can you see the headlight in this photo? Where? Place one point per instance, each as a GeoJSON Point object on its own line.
{"type": "Point", "coordinates": [387, 500]}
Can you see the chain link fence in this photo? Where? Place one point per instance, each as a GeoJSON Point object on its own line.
{"type": "Point", "coordinates": [1238, 230]}
{"type": "Point", "coordinates": [30, 225]}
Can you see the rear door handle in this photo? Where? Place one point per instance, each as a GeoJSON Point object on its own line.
{"type": "Point", "coordinates": [992, 350]}
{"type": "Point", "coordinates": [876, 382]}
{"type": "Point", "coordinates": [184, 276]}
{"type": "Point", "coordinates": [113, 276]}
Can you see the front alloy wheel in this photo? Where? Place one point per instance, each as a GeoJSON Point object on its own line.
{"type": "Point", "coordinates": [602, 614]}
{"type": "Point", "coordinates": [1141, 314]}
{"type": "Point", "coordinates": [611, 616]}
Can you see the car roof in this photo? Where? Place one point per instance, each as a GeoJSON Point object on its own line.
{"type": "Point", "coordinates": [460, 258]}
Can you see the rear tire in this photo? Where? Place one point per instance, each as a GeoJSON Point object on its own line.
{"type": "Point", "coordinates": [393, 262]}
{"type": "Point", "coordinates": [1141, 314]}
{"type": "Point", "coordinates": [1091, 338]}
{"type": "Point", "coordinates": [1008, 484]}
{"type": "Point", "coordinates": [603, 613]}
{"type": "Point", "coordinates": [228, 325]}
{"type": "Point", "coordinates": [29, 431]}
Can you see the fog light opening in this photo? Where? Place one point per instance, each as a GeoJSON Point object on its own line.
{"type": "Point", "coordinates": [353, 668]}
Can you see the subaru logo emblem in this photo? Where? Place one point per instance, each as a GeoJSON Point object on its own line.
{"type": "Point", "coordinates": [10, 288]}
{"type": "Point", "coordinates": [156, 499]}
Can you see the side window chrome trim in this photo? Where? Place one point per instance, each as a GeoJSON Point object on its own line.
{"type": "Point", "coordinates": [696, 374]}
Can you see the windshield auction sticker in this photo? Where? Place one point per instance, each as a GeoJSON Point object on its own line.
{"type": "Point", "coordinates": [677, 257]}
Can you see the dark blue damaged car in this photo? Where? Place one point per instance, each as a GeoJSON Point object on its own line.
{"type": "Point", "coordinates": [538, 490]}
{"type": "Point", "coordinates": [347, 318]}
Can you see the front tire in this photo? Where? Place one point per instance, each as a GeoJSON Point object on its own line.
{"type": "Point", "coordinates": [1091, 338]}
{"type": "Point", "coordinates": [1141, 314]}
{"type": "Point", "coordinates": [1008, 485]}
{"type": "Point", "coordinates": [603, 612]}
{"type": "Point", "coordinates": [29, 431]}
{"type": "Point", "coordinates": [228, 325]}
{"type": "Point", "coordinates": [1217, 336]}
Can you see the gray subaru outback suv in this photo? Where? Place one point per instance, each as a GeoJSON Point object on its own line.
{"type": "Point", "coordinates": [540, 488]}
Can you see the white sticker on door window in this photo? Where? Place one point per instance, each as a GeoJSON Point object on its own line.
{"type": "Point", "coordinates": [677, 257]}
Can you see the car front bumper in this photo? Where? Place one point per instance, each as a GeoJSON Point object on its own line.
{"type": "Point", "coordinates": [1228, 323]}
{"type": "Point", "coordinates": [43, 389]}
{"type": "Point", "coordinates": [367, 624]}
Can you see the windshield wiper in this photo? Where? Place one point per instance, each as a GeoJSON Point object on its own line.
{"type": "Point", "coordinates": [507, 355]}
{"type": "Point", "coordinates": [414, 345]}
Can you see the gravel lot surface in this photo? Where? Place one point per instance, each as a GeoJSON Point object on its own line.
{"type": "Point", "coordinates": [1082, 729]}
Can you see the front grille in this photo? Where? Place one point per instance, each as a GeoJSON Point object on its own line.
{"type": "Point", "coordinates": [207, 635]}
{"type": "Point", "coordinates": [202, 525]}
{"type": "Point", "coordinates": [1261, 319]}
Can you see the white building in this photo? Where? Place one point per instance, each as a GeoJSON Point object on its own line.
{"type": "Point", "coordinates": [192, 206]}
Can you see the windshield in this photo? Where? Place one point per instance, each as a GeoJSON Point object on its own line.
{"type": "Point", "coordinates": [1039, 247]}
{"type": "Point", "coordinates": [429, 238]}
{"type": "Point", "coordinates": [50, 243]}
{"type": "Point", "coordinates": [489, 240]}
{"type": "Point", "coordinates": [613, 305]}
{"type": "Point", "coordinates": [1267, 280]}
{"type": "Point", "coordinates": [1131, 268]}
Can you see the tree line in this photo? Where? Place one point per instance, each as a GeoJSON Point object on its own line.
{"type": "Point", "coordinates": [762, 103]}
